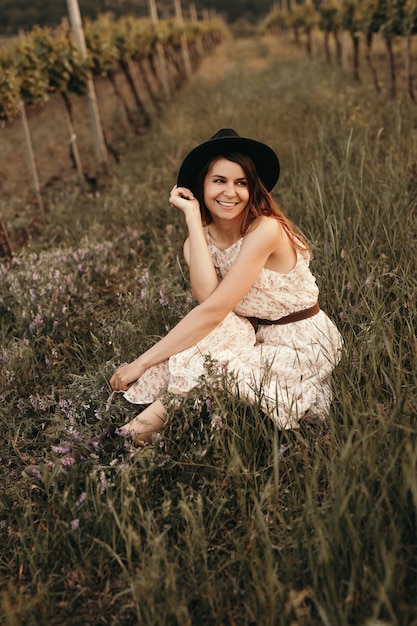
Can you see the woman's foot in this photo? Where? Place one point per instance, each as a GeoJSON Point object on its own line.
{"type": "Point", "coordinates": [145, 425]}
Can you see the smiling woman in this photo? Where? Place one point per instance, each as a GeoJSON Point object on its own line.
{"type": "Point", "coordinates": [225, 186]}
{"type": "Point", "coordinates": [257, 317]}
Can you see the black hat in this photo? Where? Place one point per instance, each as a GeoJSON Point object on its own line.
{"type": "Point", "coordinates": [223, 142]}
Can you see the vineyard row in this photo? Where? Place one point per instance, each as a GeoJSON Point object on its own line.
{"type": "Point", "coordinates": [361, 20]}
{"type": "Point", "coordinates": [47, 61]}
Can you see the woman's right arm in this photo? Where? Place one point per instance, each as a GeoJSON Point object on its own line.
{"type": "Point", "coordinates": [203, 275]}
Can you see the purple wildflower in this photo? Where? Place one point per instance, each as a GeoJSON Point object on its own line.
{"type": "Point", "coordinates": [217, 422]}
{"type": "Point", "coordinates": [36, 323]}
{"type": "Point", "coordinates": [162, 298]}
{"type": "Point", "coordinates": [68, 461]}
{"type": "Point", "coordinates": [74, 433]}
{"type": "Point", "coordinates": [61, 449]}
{"type": "Point", "coordinates": [65, 406]}
{"type": "Point", "coordinates": [81, 499]}
{"type": "Point", "coordinates": [98, 414]}
{"type": "Point", "coordinates": [165, 460]}
{"type": "Point", "coordinates": [103, 482]}
{"type": "Point", "coordinates": [75, 524]}
{"type": "Point", "coordinates": [283, 447]}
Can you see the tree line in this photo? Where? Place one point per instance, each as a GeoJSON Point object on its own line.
{"type": "Point", "coordinates": [19, 14]}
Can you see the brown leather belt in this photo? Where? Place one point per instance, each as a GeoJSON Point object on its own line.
{"type": "Point", "coordinates": [288, 319]}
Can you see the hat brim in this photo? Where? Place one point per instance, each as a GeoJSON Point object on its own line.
{"type": "Point", "coordinates": [265, 160]}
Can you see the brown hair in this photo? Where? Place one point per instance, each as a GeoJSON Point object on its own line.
{"type": "Point", "coordinates": [260, 200]}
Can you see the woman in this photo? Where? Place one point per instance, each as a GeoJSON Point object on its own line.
{"type": "Point", "coordinates": [257, 314]}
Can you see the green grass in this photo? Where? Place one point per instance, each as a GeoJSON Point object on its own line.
{"type": "Point", "coordinates": [223, 520]}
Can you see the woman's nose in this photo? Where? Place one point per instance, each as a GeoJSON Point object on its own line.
{"type": "Point", "coordinates": [230, 189]}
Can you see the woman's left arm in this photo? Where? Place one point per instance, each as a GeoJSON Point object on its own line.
{"type": "Point", "coordinates": [258, 245]}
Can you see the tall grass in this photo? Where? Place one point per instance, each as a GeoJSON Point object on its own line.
{"type": "Point", "coordinates": [223, 519]}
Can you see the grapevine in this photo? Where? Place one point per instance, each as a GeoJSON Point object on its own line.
{"type": "Point", "coordinates": [48, 60]}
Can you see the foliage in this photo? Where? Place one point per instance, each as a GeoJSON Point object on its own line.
{"type": "Point", "coordinates": [33, 81]}
{"type": "Point", "coordinates": [329, 20]}
{"type": "Point", "coordinates": [304, 16]}
{"type": "Point", "coordinates": [9, 93]}
{"type": "Point", "coordinates": [393, 25]}
{"type": "Point", "coordinates": [105, 45]}
{"type": "Point", "coordinates": [410, 17]}
{"type": "Point", "coordinates": [48, 60]}
{"type": "Point", "coordinates": [61, 60]}
{"type": "Point", "coordinates": [276, 20]}
{"type": "Point", "coordinates": [350, 16]}
{"type": "Point", "coordinates": [372, 15]}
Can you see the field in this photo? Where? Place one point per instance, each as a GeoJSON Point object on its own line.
{"type": "Point", "coordinates": [223, 520]}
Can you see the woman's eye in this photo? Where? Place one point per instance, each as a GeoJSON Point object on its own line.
{"type": "Point", "coordinates": [222, 181]}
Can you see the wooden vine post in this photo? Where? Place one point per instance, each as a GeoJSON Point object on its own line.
{"type": "Point", "coordinates": [72, 141]}
{"type": "Point", "coordinates": [31, 155]}
{"type": "Point", "coordinates": [99, 142]}
{"type": "Point", "coordinates": [29, 147]}
{"type": "Point", "coordinates": [194, 18]}
{"type": "Point", "coordinates": [184, 47]}
{"type": "Point", "coordinates": [160, 51]}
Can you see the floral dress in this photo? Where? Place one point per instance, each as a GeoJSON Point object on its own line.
{"type": "Point", "coordinates": [286, 368]}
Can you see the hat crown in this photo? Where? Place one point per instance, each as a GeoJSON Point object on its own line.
{"type": "Point", "coordinates": [225, 132]}
{"type": "Point", "coordinates": [224, 142]}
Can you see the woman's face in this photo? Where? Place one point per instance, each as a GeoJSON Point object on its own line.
{"type": "Point", "coordinates": [226, 189]}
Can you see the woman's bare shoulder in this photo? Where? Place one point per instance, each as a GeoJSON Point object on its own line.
{"type": "Point", "coordinates": [266, 226]}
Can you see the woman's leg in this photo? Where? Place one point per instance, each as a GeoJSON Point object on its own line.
{"type": "Point", "coordinates": [143, 426]}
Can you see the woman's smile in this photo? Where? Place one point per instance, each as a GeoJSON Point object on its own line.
{"type": "Point", "coordinates": [227, 204]}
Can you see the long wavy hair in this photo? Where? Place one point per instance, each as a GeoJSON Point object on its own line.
{"type": "Point", "coordinates": [260, 200]}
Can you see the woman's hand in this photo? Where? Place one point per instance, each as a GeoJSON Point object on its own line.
{"type": "Point", "coordinates": [183, 199]}
{"type": "Point", "coordinates": [126, 375]}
